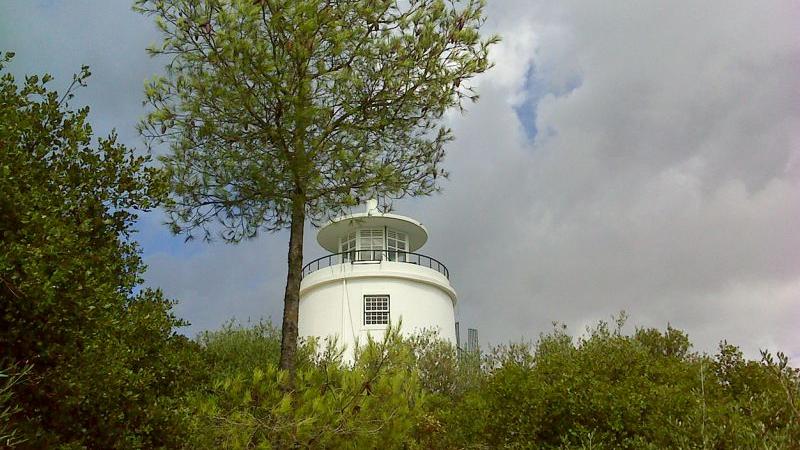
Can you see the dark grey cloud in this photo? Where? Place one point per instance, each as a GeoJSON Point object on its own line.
{"type": "Point", "coordinates": [660, 175]}
{"type": "Point", "coordinates": [662, 181]}
{"type": "Point", "coordinates": [60, 36]}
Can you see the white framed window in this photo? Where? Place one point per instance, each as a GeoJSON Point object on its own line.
{"type": "Point", "coordinates": [376, 310]}
{"type": "Point", "coordinates": [396, 245]}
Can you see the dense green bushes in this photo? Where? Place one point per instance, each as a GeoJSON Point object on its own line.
{"type": "Point", "coordinates": [642, 391]}
{"type": "Point", "coordinates": [375, 403]}
{"type": "Point", "coordinates": [602, 390]}
{"type": "Point", "coordinates": [102, 365]}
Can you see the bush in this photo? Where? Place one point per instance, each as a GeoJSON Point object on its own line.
{"type": "Point", "coordinates": [608, 390]}
{"type": "Point", "coordinates": [376, 402]}
{"type": "Point", "coordinates": [603, 390]}
{"type": "Point", "coordinates": [106, 367]}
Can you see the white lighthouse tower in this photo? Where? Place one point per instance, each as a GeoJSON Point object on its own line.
{"type": "Point", "coordinates": [374, 277]}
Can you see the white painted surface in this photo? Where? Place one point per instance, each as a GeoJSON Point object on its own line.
{"type": "Point", "coordinates": [332, 301]}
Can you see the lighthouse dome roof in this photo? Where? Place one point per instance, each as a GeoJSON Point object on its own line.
{"type": "Point", "coordinates": [330, 233]}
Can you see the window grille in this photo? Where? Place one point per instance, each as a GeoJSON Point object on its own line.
{"type": "Point", "coordinates": [376, 310]}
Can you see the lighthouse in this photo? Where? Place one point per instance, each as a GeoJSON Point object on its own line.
{"type": "Point", "coordinates": [374, 277]}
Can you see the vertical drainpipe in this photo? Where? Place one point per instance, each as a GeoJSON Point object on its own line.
{"type": "Point", "coordinates": [345, 308]}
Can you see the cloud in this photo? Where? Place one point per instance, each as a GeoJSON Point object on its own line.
{"type": "Point", "coordinates": [662, 178]}
{"type": "Point", "coordinates": [634, 155]}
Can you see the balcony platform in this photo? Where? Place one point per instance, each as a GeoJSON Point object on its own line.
{"type": "Point", "coordinates": [415, 268]}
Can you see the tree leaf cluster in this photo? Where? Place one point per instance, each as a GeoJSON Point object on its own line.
{"type": "Point", "coordinates": [320, 104]}
{"type": "Point", "coordinates": [101, 356]}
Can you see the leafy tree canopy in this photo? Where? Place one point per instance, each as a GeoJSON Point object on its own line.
{"type": "Point", "coordinates": [101, 356]}
{"type": "Point", "coordinates": [271, 103]}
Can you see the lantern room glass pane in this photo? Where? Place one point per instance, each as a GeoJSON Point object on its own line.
{"type": "Point", "coordinates": [347, 246]}
{"type": "Point", "coordinates": [370, 244]}
{"type": "Point", "coordinates": [396, 245]}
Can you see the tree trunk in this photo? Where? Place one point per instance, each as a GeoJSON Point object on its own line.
{"type": "Point", "coordinates": [291, 297]}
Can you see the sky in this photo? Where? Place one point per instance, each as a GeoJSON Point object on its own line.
{"type": "Point", "coordinates": [635, 155]}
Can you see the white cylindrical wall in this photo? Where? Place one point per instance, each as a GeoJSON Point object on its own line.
{"type": "Point", "coordinates": [332, 302]}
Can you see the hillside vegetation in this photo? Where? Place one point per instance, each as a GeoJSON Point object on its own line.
{"type": "Point", "coordinates": [602, 390]}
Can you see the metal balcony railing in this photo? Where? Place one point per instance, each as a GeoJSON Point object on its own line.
{"type": "Point", "coordinates": [375, 256]}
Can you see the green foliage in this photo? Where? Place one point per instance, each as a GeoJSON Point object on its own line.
{"type": "Point", "coordinates": [274, 104]}
{"type": "Point", "coordinates": [376, 402]}
{"type": "Point", "coordinates": [104, 360]}
{"type": "Point", "coordinates": [609, 390]}
{"type": "Point", "coordinates": [602, 390]}
{"type": "Point", "coordinates": [8, 407]}
{"type": "Point", "coordinates": [235, 349]}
